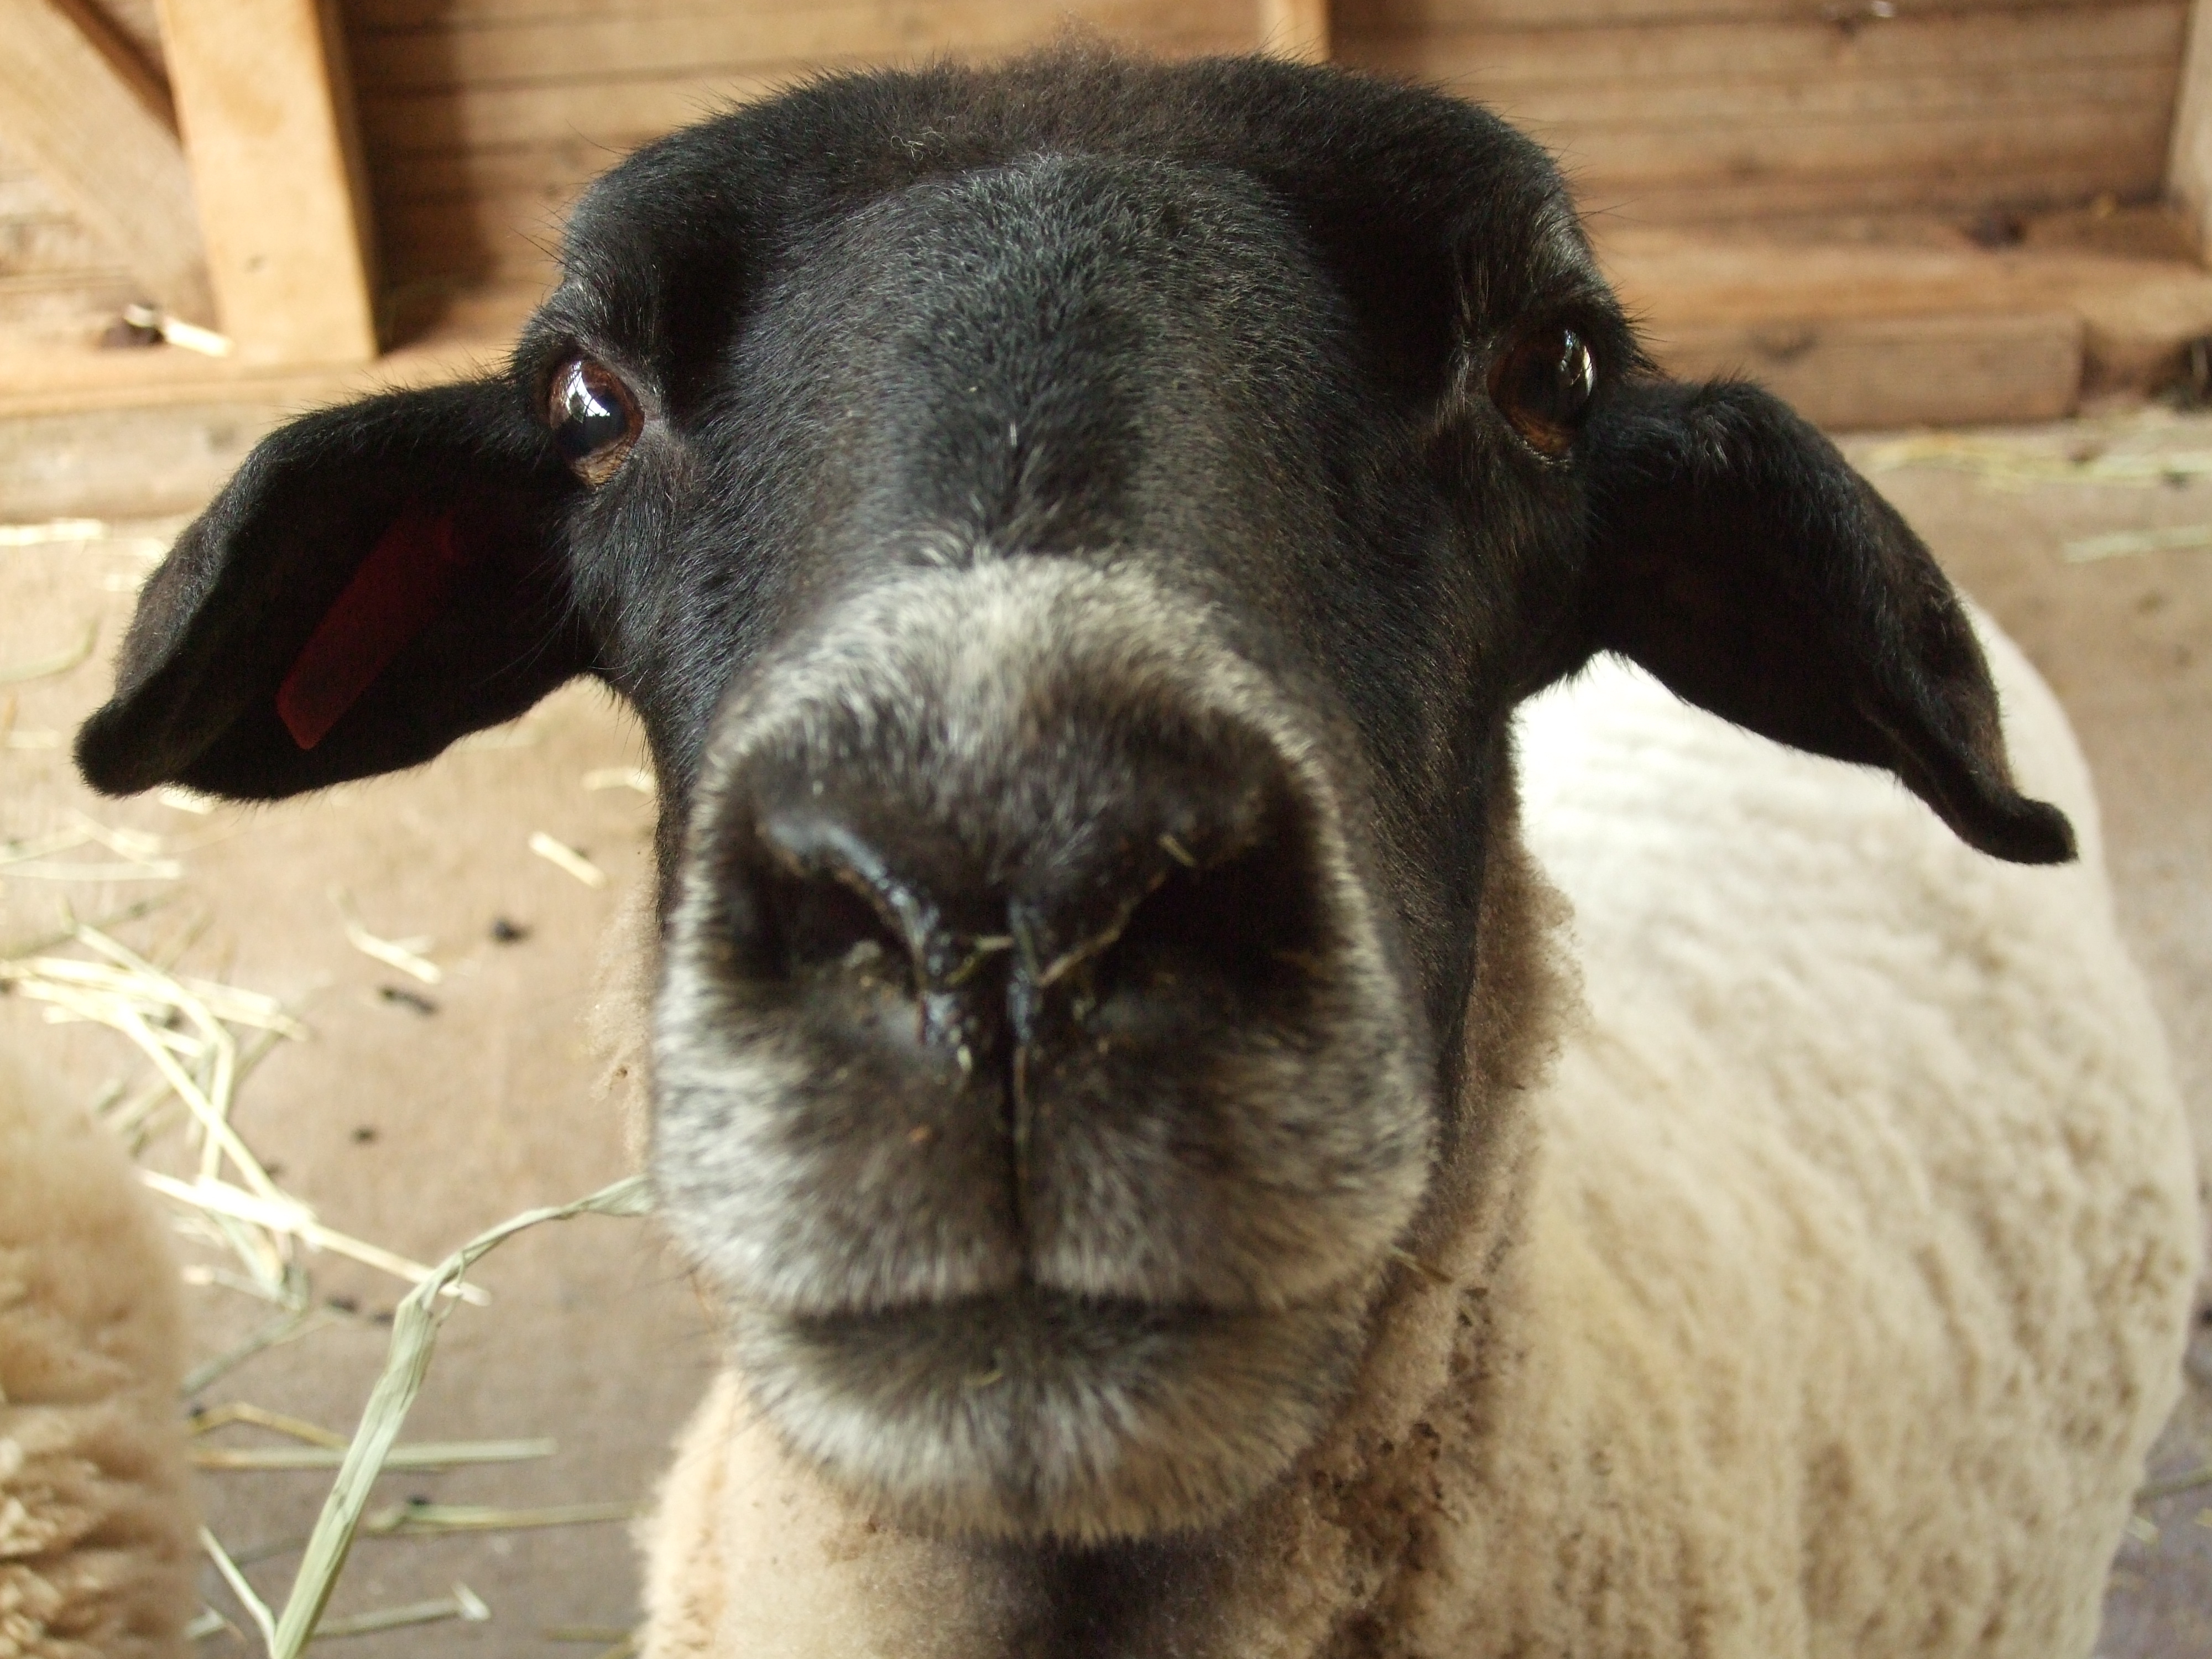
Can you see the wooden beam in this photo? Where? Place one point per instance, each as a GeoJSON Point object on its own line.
{"type": "Point", "coordinates": [147, 81]}
{"type": "Point", "coordinates": [266, 110]}
{"type": "Point", "coordinates": [2189, 155]}
{"type": "Point", "coordinates": [1294, 28]}
{"type": "Point", "coordinates": [101, 142]}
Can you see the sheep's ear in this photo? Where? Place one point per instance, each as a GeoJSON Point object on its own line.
{"type": "Point", "coordinates": [376, 580]}
{"type": "Point", "coordinates": [1736, 556]}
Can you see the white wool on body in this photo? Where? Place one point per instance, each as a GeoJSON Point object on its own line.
{"type": "Point", "coordinates": [1832, 1315]}
{"type": "Point", "coordinates": [1859, 1258]}
{"type": "Point", "coordinates": [97, 1551]}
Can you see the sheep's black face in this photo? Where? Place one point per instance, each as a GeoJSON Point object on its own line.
{"type": "Point", "coordinates": [1045, 1060]}
{"type": "Point", "coordinates": [1074, 535]}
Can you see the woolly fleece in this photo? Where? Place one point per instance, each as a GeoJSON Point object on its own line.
{"type": "Point", "coordinates": [1825, 1303]}
{"type": "Point", "coordinates": [96, 1525]}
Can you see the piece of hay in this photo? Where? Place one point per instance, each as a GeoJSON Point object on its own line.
{"type": "Point", "coordinates": [565, 857]}
{"type": "Point", "coordinates": [2126, 544]}
{"type": "Point", "coordinates": [256, 1609]}
{"type": "Point", "coordinates": [44, 668]}
{"type": "Point", "coordinates": [277, 1214]}
{"type": "Point", "coordinates": [420, 1518]}
{"type": "Point", "coordinates": [414, 1334]}
{"type": "Point", "coordinates": [621, 777]}
{"type": "Point", "coordinates": [2011, 465]}
{"type": "Point", "coordinates": [462, 1603]}
{"type": "Point", "coordinates": [428, 1457]}
{"type": "Point", "coordinates": [51, 531]}
{"type": "Point", "coordinates": [240, 1411]}
{"type": "Point", "coordinates": [404, 954]}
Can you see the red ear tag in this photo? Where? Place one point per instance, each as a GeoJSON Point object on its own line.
{"type": "Point", "coordinates": [401, 588]}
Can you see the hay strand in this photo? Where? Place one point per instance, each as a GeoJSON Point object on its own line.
{"type": "Point", "coordinates": [256, 1609]}
{"type": "Point", "coordinates": [45, 668]}
{"type": "Point", "coordinates": [620, 777]}
{"type": "Point", "coordinates": [52, 533]}
{"type": "Point", "coordinates": [404, 954]}
{"type": "Point", "coordinates": [431, 1456]}
{"type": "Point", "coordinates": [287, 1216]}
{"type": "Point", "coordinates": [420, 1518]}
{"type": "Point", "coordinates": [562, 856]}
{"type": "Point", "coordinates": [462, 1603]}
{"type": "Point", "coordinates": [2011, 465]}
{"type": "Point", "coordinates": [2128, 543]}
{"type": "Point", "coordinates": [240, 1411]}
{"type": "Point", "coordinates": [414, 1334]}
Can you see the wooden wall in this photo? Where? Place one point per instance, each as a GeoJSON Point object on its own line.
{"type": "Point", "coordinates": [1692, 111]}
{"type": "Point", "coordinates": [60, 283]}
{"type": "Point", "coordinates": [482, 119]}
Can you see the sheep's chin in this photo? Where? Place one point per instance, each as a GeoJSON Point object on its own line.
{"type": "Point", "coordinates": [1047, 1417]}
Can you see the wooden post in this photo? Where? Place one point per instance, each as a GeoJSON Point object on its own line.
{"type": "Point", "coordinates": [1299, 29]}
{"type": "Point", "coordinates": [2189, 158]}
{"type": "Point", "coordinates": [266, 110]}
{"type": "Point", "coordinates": [98, 136]}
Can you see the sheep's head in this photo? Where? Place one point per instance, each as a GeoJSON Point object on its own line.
{"type": "Point", "coordinates": [1074, 535]}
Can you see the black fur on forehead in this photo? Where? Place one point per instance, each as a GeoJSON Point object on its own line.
{"type": "Point", "coordinates": [1442, 220]}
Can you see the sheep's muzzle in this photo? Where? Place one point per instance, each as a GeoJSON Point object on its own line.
{"type": "Point", "coordinates": [1035, 1084]}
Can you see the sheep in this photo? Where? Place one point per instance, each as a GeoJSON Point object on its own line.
{"type": "Point", "coordinates": [97, 1530]}
{"type": "Point", "coordinates": [1830, 1307]}
{"type": "Point", "coordinates": [1076, 535]}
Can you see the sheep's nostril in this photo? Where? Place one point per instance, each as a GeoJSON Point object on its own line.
{"type": "Point", "coordinates": [1154, 897]}
{"type": "Point", "coordinates": [1233, 932]}
{"type": "Point", "coordinates": [818, 923]}
{"type": "Point", "coordinates": [1245, 923]}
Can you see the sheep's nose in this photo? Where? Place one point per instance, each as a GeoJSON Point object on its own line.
{"type": "Point", "coordinates": [1090, 886]}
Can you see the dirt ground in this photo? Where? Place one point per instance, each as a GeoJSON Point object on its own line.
{"type": "Point", "coordinates": [417, 1114]}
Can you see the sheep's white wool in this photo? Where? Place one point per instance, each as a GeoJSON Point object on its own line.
{"type": "Point", "coordinates": [1833, 1313]}
{"type": "Point", "coordinates": [96, 1526]}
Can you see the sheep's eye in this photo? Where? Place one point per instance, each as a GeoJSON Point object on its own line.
{"type": "Point", "coordinates": [1542, 383]}
{"type": "Point", "coordinates": [594, 417]}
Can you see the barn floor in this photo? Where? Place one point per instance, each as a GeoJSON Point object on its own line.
{"type": "Point", "coordinates": [418, 1114]}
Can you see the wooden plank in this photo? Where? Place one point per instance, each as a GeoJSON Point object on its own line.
{"type": "Point", "coordinates": [1716, 126]}
{"type": "Point", "coordinates": [1598, 61]}
{"type": "Point", "coordinates": [549, 172]}
{"type": "Point", "coordinates": [145, 77]}
{"type": "Point", "coordinates": [119, 168]}
{"type": "Point", "coordinates": [1294, 28]}
{"type": "Point", "coordinates": [1846, 18]}
{"type": "Point", "coordinates": [138, 21]}
{"type": "Point", "coordinates": [2189, 150]}
{"type": "Point", "coordinates": [63, 311]}
{"type": "Point", "coordinates": [50, 245]}
{"type": "Point", "coordinates": [2144, 89]}
{"type": "Point", "coordinates": [2138, 312]}
{"type": "Point", "coordinates": [271, 158]}
{"type": "Point", "coordinates": [2125, 149]}
{"type": "Point", "coordinates": [599, 47]}
{"type": "Point", "coordinates": [368, 15]}
{"type": "Point", "coordinates": [473, 237]}
{"type": "Point", "coordinates": [474, 341]}
{"type": "Point", "coordinates": [125, 464]}
{"type": "Point", "coordinates": [1718, 201]}
{"type": "Point", "coordinates": [1936, 371]}
{"type": "Point", "coordinates": [1690, 276]}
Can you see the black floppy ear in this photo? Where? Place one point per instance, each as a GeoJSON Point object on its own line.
{"type": "Point", "coordinates": [376, 580]}
{"type": "Point", "coordinates": [1736, 556]}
